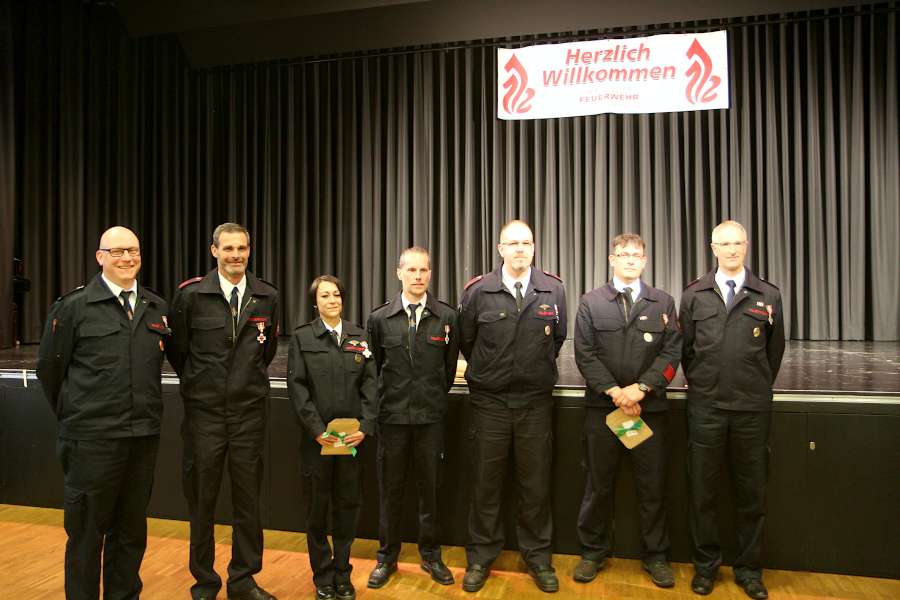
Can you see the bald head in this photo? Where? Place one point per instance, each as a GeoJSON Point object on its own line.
{"type": "Point", "coordinates": [729, 244]}
{"type": "Point", "coordinates": [122, 269]}
{"type": "Point", "coordinates": [119, 237]}
{"type": "Point", "coordinates": [722, 228]}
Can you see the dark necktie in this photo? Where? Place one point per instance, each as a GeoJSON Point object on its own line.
{"type": "Point", "coordinates": [334, 336]}
{"type": "Point", "coordinates": [235, 307]}
{"type": "Point", "coordinates": [520, 301]}
{"type": "Point", "coordinates": [626, 298]}
{"type": "Point", "coordinates": [412, 327]}
{"type": "Point", "coordinates": [126, 304]}
{"type": "Point", "coordinates": [729, 299]}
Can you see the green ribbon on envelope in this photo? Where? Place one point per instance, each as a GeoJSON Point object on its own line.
{"type": "Point", "coordinates": [341, 437]}
{"type": "Point", "coordinates": [636, 424]}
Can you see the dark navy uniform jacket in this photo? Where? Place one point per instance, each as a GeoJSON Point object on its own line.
{"type": "Point", "coordinates": [412, 390]}
{"type": "Point", "coordinates": [102, 373]}
{"type": "Point", "coordinates": [512, 355]}
{"type": "Point", "coordinates": [731, 357]}
{"type": "Point", "coordinates": [611, 351]}
{"type": "Point", "coordinates": [223, 369]}
{"type": "Point", "coordinates": [327, 381]}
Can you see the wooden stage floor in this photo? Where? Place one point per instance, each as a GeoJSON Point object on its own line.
{"type": "Point", "coordinates": [34, 544]}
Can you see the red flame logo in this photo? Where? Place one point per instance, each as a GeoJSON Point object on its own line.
{"type": "Point", "coordinates": [701, 87]}
{"type": "Point", "coordinates": [518, 96]}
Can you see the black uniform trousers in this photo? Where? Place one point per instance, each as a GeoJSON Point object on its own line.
{"type": "Point", "coordinates": [496, 433]}
{"type": "Point", "coordinates": [602, 453]}
{"type": "Point", "coordinates": [210, 444]}
{"type": "Point", "coordinates": [398, 445]}
{"type": "Point", "coordinates": [331, 484]}
{"type": "Point", "coordinates": [743, 438]}
{"type": "Point", "coordinates": [107, 485]}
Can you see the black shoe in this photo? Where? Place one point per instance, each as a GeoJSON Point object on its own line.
{"type": "Point", "coordinates": [754, 588]}
{"type": "Point", "coordinates": [381, 574]}
{"type": "Point", "coordinates": [474, 579]}
{"type": "Point", "coordinates": [545, 578]}
{"type": "Point", "coordinates": [702, 584]}
{"type": "Point", "coordinates": [345, 591]}
{"type": "Point", "coordinates": [587, 570]}
{"type": "Point", "coordinates": [439, 571]}
{"type": "Point", "coordinates": [205, 597]}
{"type": "Point", "coordinates": [256, 593]}
{"type": "Point", "coordinates": [660, 573]}
{"type": "Point", "coordinates": [326, 592]}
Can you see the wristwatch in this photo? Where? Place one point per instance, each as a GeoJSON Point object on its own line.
{"type": "Point", "coordinates": [645, 388]}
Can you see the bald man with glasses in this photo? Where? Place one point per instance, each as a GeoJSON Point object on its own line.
{"type": "Point", "coordinates": [100, 365]}
{"type": "Point", "coordinates": [733, 331]}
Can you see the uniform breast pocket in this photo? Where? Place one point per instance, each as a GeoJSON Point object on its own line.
{"type": "Point", "coordinates": [491, 318]}
{"type": "Point", "coordinates": [353, 360]}
{"type": "Point", "coordinates": [98, 343]}
{"type": "Point", "coordinates": [317, 360]}
{"type": "Point", "coordinates": [607, 331]}
{"type": "Point", "coordinates": [707, 329]}
{"type": "Point", "coordinates": [393, 351]}
{"type": "Point", "coordinates": [650, 329]}
{"type": "Point", "coordinates": [492, 329]}
{"type": "Point", "coordinates": [209, 333]}
{"type": "Point", "coordinates": [754, 321]}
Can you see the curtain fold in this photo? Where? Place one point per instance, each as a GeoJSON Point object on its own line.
{"type": "Point", "coordinates": [336, 165]}
{"type": "Point", "coordinates": [7, 174]}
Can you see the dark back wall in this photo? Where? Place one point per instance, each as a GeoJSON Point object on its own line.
{"type": "Point", "coordinates": [336, 165]}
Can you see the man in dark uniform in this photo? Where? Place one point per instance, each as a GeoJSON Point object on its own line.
{"type": "Point", "coordinates": [100, 365]}
{"type": "Point", "coordinates": [627, 347]}
{"type": "Point", "coordinates": [225, 333]}
{"type": "Point", "coordinates": [512, 326]}
{"type": "Point", "coordinates": [733, 343]}
{"type": "Point", "coordinates": [416, 347]}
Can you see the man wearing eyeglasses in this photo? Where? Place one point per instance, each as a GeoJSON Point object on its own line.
{"type": "Point", "coordinates": [225, 333]}
{"type": "Point", "coordinates": [627, 347]}
{"type": "Point", "coordinates": [733, 343]}
{"type": "Point", "coordinates": [100, 366]}
{"type": "Point", "coordinates": [512, 326]}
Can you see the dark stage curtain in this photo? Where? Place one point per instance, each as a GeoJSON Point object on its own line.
{"type": "Point", "coordinates": [7, 174]}
{"type": "Point", "coordinates": [339, 164]}
{"type": "Point", "coordinates": [336, 165]}
{"type": "Point", "coordinates": [104, 122]}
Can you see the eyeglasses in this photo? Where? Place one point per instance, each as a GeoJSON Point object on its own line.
{"type": "Point", "coordinates": [120, 252]}
{"type": "Point", "coordinates": [729, 245]}
{"type": "Point", "coordinates": [523, 244]}
{"type": "Point", "coordinates": [626, 255]}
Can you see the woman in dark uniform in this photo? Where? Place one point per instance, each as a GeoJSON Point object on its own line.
{"type": "Point", "coordinates": [331, 374]}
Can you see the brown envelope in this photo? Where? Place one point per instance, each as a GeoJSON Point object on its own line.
{"type": "Point", "coordinates": [340, 426]}
{"type": "Point", "coordinates": [631, 431]}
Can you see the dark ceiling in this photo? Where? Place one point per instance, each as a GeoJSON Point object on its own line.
{"type": "Point", "coordinates": [224, 32]}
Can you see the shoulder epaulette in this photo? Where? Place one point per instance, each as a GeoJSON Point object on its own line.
{"type": "Point", "coordinates": [268, 283]}
{"type": "Point", "coordinates": [70, 292]}
{"type": "Point", "coordinates": [453, 308]}
{"type": "Point", "coordinates": [380, 306]}
{"type": "Point", "coordinates": [473, 281]}
{"type": "Point", "coordinates": [769, 283]}
{"type": "Point", "coordinates": [553, 275]}
{"type": "Point", "coordinates": [693, 282]}
{"type": "Point", "coordinates": [184, 284]}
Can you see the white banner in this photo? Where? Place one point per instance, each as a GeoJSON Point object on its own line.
{"type": "Point", "coordinates": [659, 73]}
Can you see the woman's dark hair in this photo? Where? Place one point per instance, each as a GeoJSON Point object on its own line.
{"type": "Point", "coordinates": [314, 288]}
